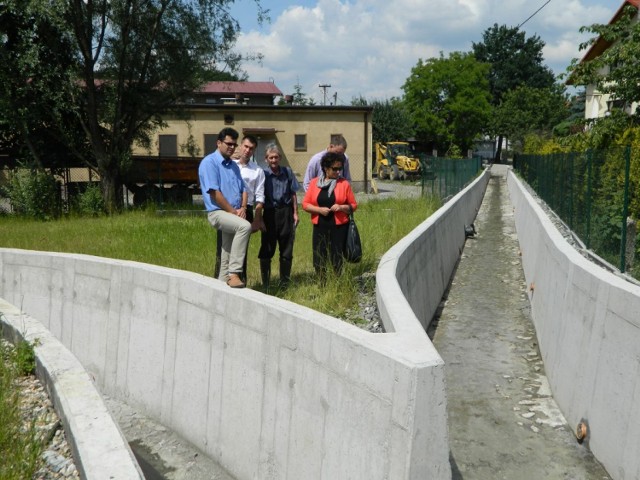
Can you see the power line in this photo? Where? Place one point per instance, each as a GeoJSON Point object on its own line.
{"type": "Point", "coordinates": [533, 14]}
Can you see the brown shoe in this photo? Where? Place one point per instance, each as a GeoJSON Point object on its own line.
{"type": "Point", "coordinates": [235, 281]}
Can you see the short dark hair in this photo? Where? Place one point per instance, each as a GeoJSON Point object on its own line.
{"type": "Point", "coordinates": [329, 158]}
{"type": "Point", "coordinates": [338, 140]}
{"type": "Point", "coordinates": [227, 132]}
{"type": "Point", "coordinates": [251, 138]}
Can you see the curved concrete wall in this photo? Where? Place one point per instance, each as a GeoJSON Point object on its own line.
{"type": "Point", "coordinates": [414, 274]}
{"type": "Point", "coordinates": [97, 443]}
{"type": "Point", "coordinates": [268, 388]}
{"type": "Point", "coordinates": [588, 327]}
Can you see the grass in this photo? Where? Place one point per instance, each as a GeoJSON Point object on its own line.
{"type": "Point", "coordinates": [188, 243]}
{"type": "Point", "coordinates": [20, 447]}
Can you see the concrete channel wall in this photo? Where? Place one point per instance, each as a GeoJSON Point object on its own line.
{"type": "Point", "coordinates": [587, 322]}
{"type": "Point", "coordinates": [97, 443]}
{"type": "Point", "coordinates": [267, 388]}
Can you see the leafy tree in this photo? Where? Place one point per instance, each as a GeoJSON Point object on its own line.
{"type": "Point", "coordinates": [448, 100]}
{"type": "Point", "coordinates": [36, 82]}
{"type": "Point", "coordinates": [525, 109]}
{"type": "Point", "coordinates": [132, 60]}
{"type": "Point", "coordinates": [390, 119]}
{"type": "Point", "coordinates": [514, 61]}
{"type": "Point", "coordinates": [616, 71]}
{"type": "Point", "coordinates": [574, 122]}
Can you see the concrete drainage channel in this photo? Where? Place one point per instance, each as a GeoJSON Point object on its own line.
{"type": "Point", "coordinates": [95, 439]}
{"type": "Point", "coordinates": [162, 454]}
{"type": "Point", "coordinates": [149, 451]}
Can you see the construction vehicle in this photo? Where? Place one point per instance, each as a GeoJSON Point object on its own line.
{"type": "Point", "coordinates": [395, 160]}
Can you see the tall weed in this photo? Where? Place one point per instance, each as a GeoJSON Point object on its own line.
{"type": "Point", "coordinates": [20, 447]}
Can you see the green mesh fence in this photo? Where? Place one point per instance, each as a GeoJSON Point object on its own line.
{"type": "Point", "coordinates": [596, 194]}
{"type": "Point", "coordinates": [445, 177]}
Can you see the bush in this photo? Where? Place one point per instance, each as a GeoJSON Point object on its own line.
{"type": "Point", "coordinates": [34, 194]}
{"type": "Point", "coordinates": [90, 202]}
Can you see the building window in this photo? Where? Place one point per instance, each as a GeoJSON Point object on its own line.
{"type": "Point", "coordinates": [300, 142]}
{"type": "Point", "coordinates": [210, 143]}
{"type": "Point", "coordinates": [168, 145]}
{"type": "Point", "coordinates": [228, 119]}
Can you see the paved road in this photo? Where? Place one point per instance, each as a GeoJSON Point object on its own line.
{"type": "Point", "coordinates": [503, 422]}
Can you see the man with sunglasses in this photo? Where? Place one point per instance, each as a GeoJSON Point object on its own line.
{"type": "Point", "coordinates": [225, 199]}
{"type": "Point", "coordinates": [253, 177]}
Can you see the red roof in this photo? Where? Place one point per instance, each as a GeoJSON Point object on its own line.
{"type": "Point", "coordinates": [244, 88]}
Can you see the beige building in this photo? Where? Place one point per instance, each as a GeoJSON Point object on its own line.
{"type": "Point", "coordinates": [299, 131]}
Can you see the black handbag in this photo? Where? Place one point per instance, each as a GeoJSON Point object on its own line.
{"type": "Point", "coordinates": [353, 247]}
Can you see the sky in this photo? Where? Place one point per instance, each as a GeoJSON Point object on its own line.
{"type": "Point", "coordinates": [368, 47]}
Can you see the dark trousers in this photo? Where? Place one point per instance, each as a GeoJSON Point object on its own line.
{"type": "Point", "coordinates": [216, 269]}
{"type": "Point", "coordinates": [280, 232]}
{"type": "Point", "coordinates": [328, 244]}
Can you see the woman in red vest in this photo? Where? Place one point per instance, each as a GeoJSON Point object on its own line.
{"type": "Point", "coordinates": [329, 200]}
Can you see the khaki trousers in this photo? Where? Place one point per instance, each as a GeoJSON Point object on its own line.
{"type": "Point", "coordinates": [236, 232]}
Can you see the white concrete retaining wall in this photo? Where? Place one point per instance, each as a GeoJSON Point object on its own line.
{"type": "Point", "coordinates": [267, 388]}
{"type": "Point", "coordinates": [97, 443]}
{"type": "Point", "coordinates": [414, 274]}
{"type": "Point", "coordinates": [587, 322]}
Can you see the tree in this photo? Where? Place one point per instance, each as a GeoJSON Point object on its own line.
{"type": "Point", "coordinates": [390, 119]}
{"type": "Point", "coordinates": [133, 60]}
{"type": "Point", "coordinates": [449, 100]}
{"type": "Point", "coordinates": [36, 82]}
{"type": "Point", "coordinates": [616, 71]}
{"type": "Point", "coordinates": [574, 121]}
{"type": "Point", "coordinates": [525, 110]}
{"type": "Point", "coordinates": [514, 61]}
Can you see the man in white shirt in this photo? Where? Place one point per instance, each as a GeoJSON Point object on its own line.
{"type": "Point", "coordinates": [338, 145]}
{"type": "Point", "coordinates": [253, 177]}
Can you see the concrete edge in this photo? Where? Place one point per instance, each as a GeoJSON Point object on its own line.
{"type": "Point", "coordinates": [389, 292]}
{"type": "Point", "coordinates": [96, 441]}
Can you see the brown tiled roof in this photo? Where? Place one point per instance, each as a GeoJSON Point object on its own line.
{"type": "Point", "coordinates": [601, 45]}
{"type": "Point", "coordinates": [244, 88]}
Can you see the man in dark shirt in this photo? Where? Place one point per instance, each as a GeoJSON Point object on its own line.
{"type": "Point", "coordinates": [280, 216]}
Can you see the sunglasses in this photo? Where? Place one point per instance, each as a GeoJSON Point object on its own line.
{"type": "Point", "coordinates": [335, 169]}
{"type": "Point", "coordinates": [230, 144]}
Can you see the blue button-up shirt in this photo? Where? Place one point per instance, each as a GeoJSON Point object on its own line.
{"type": "Point", "coordinates": [218, 173]}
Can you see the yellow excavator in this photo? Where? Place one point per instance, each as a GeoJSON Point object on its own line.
{"type": "Point", "coordinates": [395, 160]}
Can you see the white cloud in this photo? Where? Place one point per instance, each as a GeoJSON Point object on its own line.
{"type": "Point", "coordinates": [368, 47]}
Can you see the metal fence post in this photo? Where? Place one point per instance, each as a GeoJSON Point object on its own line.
{"type": "Point", "coordinates": [625, 208]}
{"type": "Point", "coordinates": [589, 196]}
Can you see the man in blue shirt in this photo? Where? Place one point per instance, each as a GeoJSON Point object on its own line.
{"type": "Point", "coordinates": [225, 199]}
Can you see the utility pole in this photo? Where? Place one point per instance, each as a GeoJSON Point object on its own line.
{"type": "Point", "coordinates": [324, 92]}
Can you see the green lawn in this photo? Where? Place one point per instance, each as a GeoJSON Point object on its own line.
{"type": "Point", "coordinates": [188, 243]}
